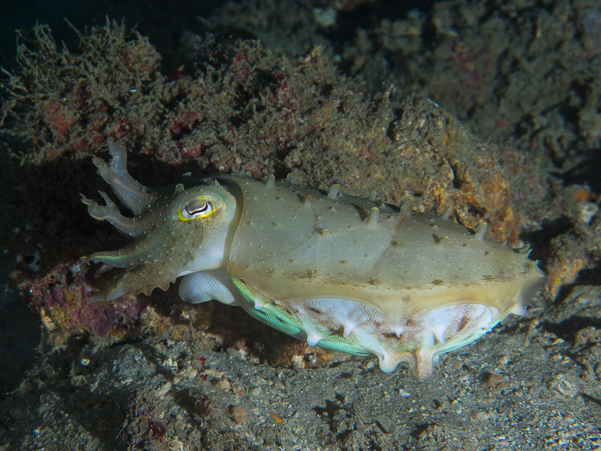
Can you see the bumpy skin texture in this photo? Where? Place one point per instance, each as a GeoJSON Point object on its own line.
{"type": "Point", "coordinates": [342, 272]}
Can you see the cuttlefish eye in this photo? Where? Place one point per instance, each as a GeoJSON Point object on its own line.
{"type": "Point", "coordinates": [199, 207]}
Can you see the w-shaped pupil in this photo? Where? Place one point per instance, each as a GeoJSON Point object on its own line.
{"type": "Point", "coordinates": [197, 206]}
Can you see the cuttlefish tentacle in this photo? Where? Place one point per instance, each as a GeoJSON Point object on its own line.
{"type": "Point", "coordinates": [130, 226]}
{"type": "Point", "coordinates": [139, 252]}
{"type": "Point", "coordinates": [133, 194]}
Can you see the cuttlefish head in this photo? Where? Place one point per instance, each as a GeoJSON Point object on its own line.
{"type": "Point", "coordinates": [176, 231]}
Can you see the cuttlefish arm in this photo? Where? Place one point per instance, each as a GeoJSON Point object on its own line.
{"type": "Point", "coordinates": [133, 194]}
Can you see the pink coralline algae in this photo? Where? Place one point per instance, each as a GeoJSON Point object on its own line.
{"type": "Point", "coordinates": [62, 299]}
